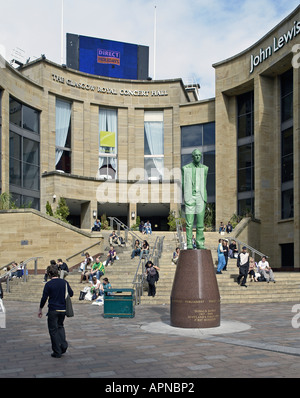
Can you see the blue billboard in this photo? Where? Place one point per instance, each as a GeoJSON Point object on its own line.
{"type": "Point", "coordinates": [107, 57]}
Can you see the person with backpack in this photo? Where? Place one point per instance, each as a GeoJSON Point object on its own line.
{"type": "Point", "coordinates": [152, 277]}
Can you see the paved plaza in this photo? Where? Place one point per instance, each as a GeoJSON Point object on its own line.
{"type": "Point", "coordinates": [260, 340]}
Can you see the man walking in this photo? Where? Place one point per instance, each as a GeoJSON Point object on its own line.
{"type": "Point", "coordinates": [243, 265]}
{"type": "Point", "coordinates": [55, 291]}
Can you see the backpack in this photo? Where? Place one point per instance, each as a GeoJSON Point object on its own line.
{"type": "Point", "coordinates": [152, 271]}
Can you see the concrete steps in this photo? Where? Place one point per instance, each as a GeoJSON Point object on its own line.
{"type": "Point", "coordinates": [121, 274]}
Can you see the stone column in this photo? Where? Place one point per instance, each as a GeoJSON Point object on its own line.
{"type": "Point", "coordinates": [87, 219]}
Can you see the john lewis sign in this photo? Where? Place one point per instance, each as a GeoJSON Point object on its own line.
{"type": "Point", "coordinates": [278, 43]}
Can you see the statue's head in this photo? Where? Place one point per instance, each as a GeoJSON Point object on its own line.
{"type": "Point", "coordinates": [197, 155]}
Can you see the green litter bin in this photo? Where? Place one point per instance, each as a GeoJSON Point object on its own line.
{"type": "Point", "coordinates": [119, 303]}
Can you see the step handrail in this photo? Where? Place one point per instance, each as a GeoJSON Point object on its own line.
{"type": "Point", "coordinates": [7, 276]}
{"type": "Point", "coordinates": [241, 244]}
{"type": "Point", "coordinates": [147, 257]}
{"type": "Point", "coordinates": [83, 250]}
{"type": "Point", "coordinates": [180, 233]}
{"type": "Point", "coordinates": [139, 278]}
{"type": "Point", "coordinates": [6, 265]}
{"type": "Point", "coordinates": [120, 224]}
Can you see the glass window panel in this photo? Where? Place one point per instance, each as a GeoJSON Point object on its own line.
{"type": "Point", "coordinates": [68, 140]}
{"type": "Point", "coordinates": [108, 167]}
{"type": "Point", "coordinates": [245, 103]}
{"type": "Point", "coordinates": [103, 166]}
{"type": "Point", "coordinates": [30, 119]}
{"type": "Point", "coordinates": [209, 161]}
{"type": "Point", "coordinates": [191, 136]}
{"type": "Point", "coordinates": [185, 159]}
{"type": "Point", "coordinates": [287, 108]}
{"type": "Point", "coordinates": [287, 83]}
{"type": "Point", "coordinates": [146, 145]}
{"type": "Point", "coordinates": [245, 126]}
{"type": "Point", "coordinates": [15, 112]}
{"type": "Point", "coordinates": [246, 206]}
{"type": "Point", "coordinates": [17, 199]}
{"type": "Point", "coordinates": [14, 145]}
{"type": "Point", "coordinates": [154, 138]}
{"type": "Point", "coordinates": [245, 180]}
{"type": "Point", "coordinates": [210, 184]}
{"type": "Point", "coordinates": [154, 168]}
{"type": "Point", "coordinates": [245, 156]}
{"type": "Point", "coordinates": [287, 204]}
{"type": "Point", "coordinates": [31, 176]}
{"type": "Point", "coordinates": [15, 172]}
{"type": "Point", "coordinates": [63, 130]}
{"type": "Point", "coordinates": [30, 151]}
{"type": "Point", "coordinates": [29, 201]}
{"type": "Point", "coordinates": [63, 124]}
{"type": "Point", "coordinates": [63, 135]}
{"type": "Point", "coordinates": [154, 116]}
{"type": "Point", "coordinates": [287, 142]}
{"type": "Point", "coordinates": [209, 134]}
{"type": "Point", "coordinates": [287, 168]}
{"type": "Point", "coordinates": [108, 123]}
{"type": "Point", "coordinates": [64, 163]}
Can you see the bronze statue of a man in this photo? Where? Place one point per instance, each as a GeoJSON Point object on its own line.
{"type": "Point", "coordinates": [194, 176]}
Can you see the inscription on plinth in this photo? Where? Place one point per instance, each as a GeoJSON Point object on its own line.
{"type": "Point", "coordinates": [195, 298]}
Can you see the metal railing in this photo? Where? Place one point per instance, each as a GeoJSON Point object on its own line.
{"type": "Point", "coordinates": [7, 276]}
{"type": "Point", "coordinates": [154, 256]}
{"type": "Point", "coordinates": [180, 234]}
{"type": "Point", "coordinates": [139, 277]}
{"type": "Point", "coordinates": [83, 251]}
{"type": "Point", "coordinates": [240, 244]}
{"type": "Point", "coordinates": [125, 228]}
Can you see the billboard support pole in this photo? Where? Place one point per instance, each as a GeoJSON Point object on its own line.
{"type": "Point", "coordinates": [62, 34]}
{"type": "Point", "coordinates": [154, 46]}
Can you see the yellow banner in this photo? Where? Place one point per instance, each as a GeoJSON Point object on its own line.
{"type": "Point", "coordinates": [108, 139]}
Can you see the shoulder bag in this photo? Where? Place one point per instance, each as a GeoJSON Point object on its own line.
{"type": "Point", "coordinates": [69, 307]}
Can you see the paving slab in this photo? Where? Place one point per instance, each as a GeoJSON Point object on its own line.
{"type": "Point", "coordinates": [260, 340]}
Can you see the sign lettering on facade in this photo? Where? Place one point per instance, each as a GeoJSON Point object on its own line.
{"type": "Point", "coordinates": [110, 90]}
{"type": "Point", "coordinates": [278, 43]}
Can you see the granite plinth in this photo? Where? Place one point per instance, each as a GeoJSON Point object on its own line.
{"type": "Point", "coordinates": [195, 298]}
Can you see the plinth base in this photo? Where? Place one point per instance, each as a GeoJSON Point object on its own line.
{"type": "Point", "coordinates": [195, 298]}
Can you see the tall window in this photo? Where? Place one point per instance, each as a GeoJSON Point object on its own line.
{"type": "Point", "coordinates": [154, 145]}
{"type": "Point", "coordinates": [63, 136]}
{"type": "Point", "coordinates": [24, 154]}
{"type": "Point", "coordinates": [202, 137]}
{"type": "Point", "coordinates": [245, 155]}
{"type": "Point", "coordinates": [23, 116]}
{"type": "Point", "coordinates": [287, 151]}
{"type": "Point", "coordinates": [108, 143]}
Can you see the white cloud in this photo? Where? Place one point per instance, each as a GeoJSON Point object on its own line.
{"type": "Point", "coordinates": [191, 34]}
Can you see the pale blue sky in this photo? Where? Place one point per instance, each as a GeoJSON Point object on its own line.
{"type": "Point", "coordinates": [191, 34]}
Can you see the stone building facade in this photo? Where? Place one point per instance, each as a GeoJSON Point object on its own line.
{"type": "Point", "coordinates": [117, 146]}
